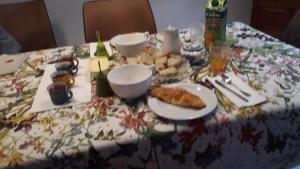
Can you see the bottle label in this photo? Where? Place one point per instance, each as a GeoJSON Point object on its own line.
{"type": "Point", "coordinates": [215, 26]}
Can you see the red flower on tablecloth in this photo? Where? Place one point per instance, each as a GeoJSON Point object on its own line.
{"type": "Point", "coordinates": [218, 145]}
{"type": "Point", "coordinates": [250, 135]}
{"type": "Point", "coordinates": [110, 102]}
{"type": "Point", "coordinates": [103, 109]}
{"type": "Point", "coordinates": [237, 51]}
{"type": "Point", "coordinates": [275, 143]}
{"type": "Point", "coordinates": [134, 120]}
{"type": "Point", "coordinates": [99, 103]}
{"type": "Point", "coordinates": [18, 85]}
{"type": "Point", "coordinates": [26, 144]}
{"type": "Point", "coordinates": [199, 128]}
{"type": "Point", "coordinates": [224, 120]}
{"type": "Point", "coordinates": [187, 138]}
{"type": "Point", "coordinates": [235, 70]}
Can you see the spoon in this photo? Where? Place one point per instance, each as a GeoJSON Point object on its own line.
{"type": "Point", "coordinates": [228, 81]}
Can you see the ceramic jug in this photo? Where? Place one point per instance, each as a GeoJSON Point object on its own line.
{"type": "Point", "coordinates": [171, 40]}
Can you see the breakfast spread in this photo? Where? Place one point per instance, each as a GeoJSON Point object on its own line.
{"type": "Point", "coordinates": [167, 64]}
{"type": "Point", "coordinates": [178, 96]}
{"type": "Point", "coordinates": [170, 66]}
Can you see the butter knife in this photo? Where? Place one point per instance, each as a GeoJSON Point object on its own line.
{"type": "Point", "coordinates": [232, 91]}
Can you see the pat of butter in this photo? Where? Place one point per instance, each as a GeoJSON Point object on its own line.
{"type": "Point", "coordinates": [94, 67]}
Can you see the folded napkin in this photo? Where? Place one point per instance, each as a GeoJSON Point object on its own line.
{"type": "Point", "coordinates": [254, 99]}
{"type": "Point", "coordinates": [93, 47]}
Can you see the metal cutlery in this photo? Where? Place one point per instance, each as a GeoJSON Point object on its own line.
{"type": "Point", "coordinates": [228, 81]}
{"type": "Point", "coordinates": [230, 90]}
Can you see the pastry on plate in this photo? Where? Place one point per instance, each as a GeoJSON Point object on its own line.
{"type": "Point", "coordinates": [178, 96]}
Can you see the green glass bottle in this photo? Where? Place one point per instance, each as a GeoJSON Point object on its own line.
{"type": "Point", "coordinates": [102, 85]}
{"type": "Point", "coordinates": [100, 49]}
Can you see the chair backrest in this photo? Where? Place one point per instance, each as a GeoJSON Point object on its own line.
{"type": "Point", "coordinates": [112, 17]}
{"type": "Point", "coordinates": [28, 22]}
{"type": "Point", "coordinates": [291, 34]}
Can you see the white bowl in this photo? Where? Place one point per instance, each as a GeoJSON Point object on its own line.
{"type": "Point", "coordinates": [130, 81]}
{"type": "Point", "coordinates": [130, 44]}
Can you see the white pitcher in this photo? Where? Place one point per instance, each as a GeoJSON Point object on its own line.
{"type": "Point", "coordinates": [171, 40]}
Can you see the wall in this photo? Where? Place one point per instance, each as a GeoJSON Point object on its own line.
{"type": "Point", "coordinates": [67, 22]}
{"type": "Point", "coordinates": [183, 13]}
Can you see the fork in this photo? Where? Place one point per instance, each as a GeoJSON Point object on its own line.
{"type": "Point", "coordinates": [228, 81]}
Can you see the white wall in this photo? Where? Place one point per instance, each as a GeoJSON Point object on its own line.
{"type": "Point", "coordinates": [183, 13]}
{"type": "Point", "coordinates": [67, 22]}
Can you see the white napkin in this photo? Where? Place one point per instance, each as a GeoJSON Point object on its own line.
{"type": "Point", "coordinates": [93, 47]}
{"type": "Point", "coordinates": [81, 90]}
{"type": "Point", "coordinates": [254, 99]}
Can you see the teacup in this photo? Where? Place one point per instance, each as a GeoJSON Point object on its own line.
{"type": "Point", "coordinates": [73, 60]}
{"type": "Point", "coordinates": [66, 66]}
{"type": "Point", "coordinates": [130, 44]}
{"type": "Point", "coordinates": [131, 81]}
{"type": "Point", "coordinates": [219, 56]}
{"type": "Point", "coordinates": [59, 93]}
{"type": "Point", "coordinates": [63, 76]}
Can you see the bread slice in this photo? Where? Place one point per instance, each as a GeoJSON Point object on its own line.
{"type": "Point", "coordinates": [171, 71]}
{"type": "Point", "coordinates": [178, 96]}
{"type": "Point", "coordinates": [174, 61]}
{"type": "Point", "coordinates": [147, 59]}
{"type": "Point", "coordinates": [161, 62]}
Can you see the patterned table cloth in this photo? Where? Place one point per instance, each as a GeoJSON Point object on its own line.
{"type": "Point", "coordinates": [110, 133]}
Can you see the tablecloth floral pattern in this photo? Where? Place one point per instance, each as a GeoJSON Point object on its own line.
{"type": "Point", "coordinates": [112, 133]}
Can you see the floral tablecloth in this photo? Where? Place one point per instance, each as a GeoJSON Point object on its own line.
{"type": "Point", "coordinates": [111, 133]}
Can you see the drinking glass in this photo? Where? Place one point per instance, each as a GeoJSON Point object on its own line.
{"type": "Point", "coordinates": [219, 55]}
{"type": "Point", "coordinates": [197, 34]}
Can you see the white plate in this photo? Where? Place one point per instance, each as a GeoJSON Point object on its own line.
{"type": "Point", "coordinates": [173, 112]}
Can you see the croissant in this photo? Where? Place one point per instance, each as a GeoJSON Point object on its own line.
{"type": "Point", "coordinates": [178, 96]}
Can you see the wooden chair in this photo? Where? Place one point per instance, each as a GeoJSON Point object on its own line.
{"type": "Point", "coordinates": [291, 34]}
{"type": "Point", "coordinates": [112, 17]}
{"type": "Point", "coordinates": [28, 22]}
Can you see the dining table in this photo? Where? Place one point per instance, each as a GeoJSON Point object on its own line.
{"type": "Point", "coordinates": [110, 132]}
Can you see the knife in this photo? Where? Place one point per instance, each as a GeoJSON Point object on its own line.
{"type": "Point", "coordinates": [232, 91]}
